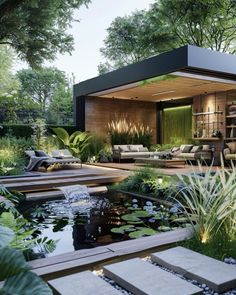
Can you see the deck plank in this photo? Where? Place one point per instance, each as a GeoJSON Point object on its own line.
{"type": "Point", "coordinates": [72, 266]}
{"type": "Point", "coordinates": [161, 239]}
{"type": "Point", "coordinates": [42, 185]}
{"type": "Point", "coordinates": [55, 194]}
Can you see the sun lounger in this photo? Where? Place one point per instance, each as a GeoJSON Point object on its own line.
{"type": "Point", "coordinates": [39, 158]}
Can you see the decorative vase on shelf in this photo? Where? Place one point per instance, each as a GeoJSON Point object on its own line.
{"type": "Point", "coordinates": [204, 133]}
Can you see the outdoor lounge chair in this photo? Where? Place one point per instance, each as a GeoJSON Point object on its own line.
{"type": "Point", "coordinates": [39, 158]}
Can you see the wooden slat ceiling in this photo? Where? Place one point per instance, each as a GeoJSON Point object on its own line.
{"type": "Point", "coordinates": [177, 88]}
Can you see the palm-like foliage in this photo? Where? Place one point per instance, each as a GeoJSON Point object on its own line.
{"type": "Point", "coordinates": [209, 201]}
{"type": "Point", "coordinates": [77, 142]}
{"type": "Point", "coordinates": [15, 272]}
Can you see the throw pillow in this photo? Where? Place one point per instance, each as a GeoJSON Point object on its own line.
{"type": "Point", "coordinates": [30, 153]}
{"type": "Point", "coordinates": [39, 153]}
{"type": "Point", "coordinates": [195, 148]}
{"type": "Point", "coordinates": [133, 148]}
{"type": "Point", "coordinates": [143, 149]}
{"type": "Point", "coordinates": [232, 147]}
{"type": "Point", "coordinates": [124, 149]}
{"type": "Point", "coordinates": [206, 147]}
{"type": "Point", "coordinates": [186, 148]}
{"type": "Point", "coordinates": [174, 149]}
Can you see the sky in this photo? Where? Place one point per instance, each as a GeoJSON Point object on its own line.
{"type": "Point", "coordinates": [89, 34]}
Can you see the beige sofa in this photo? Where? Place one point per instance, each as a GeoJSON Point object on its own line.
{"type": "Point", "coordinates": [130, 151]}
{"type": "Point", "coordinates": [190, 152]}
{"type": "Point", "coordinates": [230, 151]}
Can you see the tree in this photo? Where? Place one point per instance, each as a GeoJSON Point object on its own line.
{"type": "Point", "coordinates": [60, 109]}
{"type": "Point", "coordinates": [37, 29]}
{"type": "Point", "coordinates": [205, 23]}
{"type": "Point", "coordinates": [8, 82]}
{"type": "Point", "coordinates": [41, 85]}
{"type": "Point", "coordinates": [169, 24]}
{"type": "Point", "coordinates": [133, 38]}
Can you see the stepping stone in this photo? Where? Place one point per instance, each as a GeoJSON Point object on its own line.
{"type": "Point", "coordinates": [83, 283]}
{"type": "Point", "coordinates": [215, 274]}
{"type": "Point", "coordinates": [143, 278]}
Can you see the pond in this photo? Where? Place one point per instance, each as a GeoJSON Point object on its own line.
{"type": "Point", "coordinates": [110, 217]}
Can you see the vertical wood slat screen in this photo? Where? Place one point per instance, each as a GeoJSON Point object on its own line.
{"type": "Point", "coordinates": [177, 124]}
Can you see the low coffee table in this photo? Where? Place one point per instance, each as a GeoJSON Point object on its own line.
{"type": "Point", "coordinates": [160, 162]}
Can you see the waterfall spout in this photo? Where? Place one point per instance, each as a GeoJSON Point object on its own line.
{"type": "Point", "coordinates": [77, 196]}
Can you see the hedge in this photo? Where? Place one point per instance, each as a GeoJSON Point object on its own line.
{"type": "Point", "coordinates": [21, 130]}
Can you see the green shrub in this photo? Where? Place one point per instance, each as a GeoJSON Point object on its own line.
{"type": "Point", "coordinates": [25, 130]}
{"type": "Point", "coordinates": [96, 144]}
{"type": "Point", "coordinates": [146, 181]}
{"type": "Point", "coordinates": [12, 157]}
{"type": "Point", "coordinates": [209, 202]}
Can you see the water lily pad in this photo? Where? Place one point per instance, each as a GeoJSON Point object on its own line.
{"type": "Point", "coordinates": [117, 230]}
{"type": "Point", "coordinates": [123, 229]}
{"type": "Point", "coordinates": [141, 213]}
{"type": "Point", "coordinates": [142, 232]}
{"type": "Point", "coordinates": [164, 228]}
{"type": "Point", "coordinates": [130, 217]}
{"type": "Point", "coordinates": [134, 208]}
{"type": "Point", "coordinates": [135, 222]}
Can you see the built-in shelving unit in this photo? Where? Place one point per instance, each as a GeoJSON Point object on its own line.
{"type": "Point", "coordinates": [205, 123]}
{"type": "Point", "coordinates": [230, 127]}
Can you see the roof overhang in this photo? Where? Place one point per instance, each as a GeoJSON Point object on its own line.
{"type": "Point", "coordinates": [213, 71]}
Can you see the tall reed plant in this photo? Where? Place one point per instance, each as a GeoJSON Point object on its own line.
{"type": "Point", "coordinates": [124, 132]}
{"type": "Point", "coordinates": [208, 200]}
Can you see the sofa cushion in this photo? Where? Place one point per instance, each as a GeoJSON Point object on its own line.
{"type": "Point", "coordinates": [124, 148]}
{"type": "Point", "coordinates": [30, 153]}
{"type": "Point", "coordinates": [230, 157]}
{"type": "Point", "coordinates": [195, 148]}
{"type": "Point", "coordinates": [232, 147]}
{"type": "Point", "coordinates": [62, 154]}
{"type": "Point", "coordinates": [187, 156]}
{"type": "Point", "coordinates": [133, 148]}
{"type": "Point", "coordinates": [185, 148]}
{"type": "Point", "coordinates": [206, 147]}
{"type": "Point", "coordinates": [175, 149]}
{"type": "Point", "coordinates": [40, 153]}
{"type": "Point", "coordinates": [143, 149]}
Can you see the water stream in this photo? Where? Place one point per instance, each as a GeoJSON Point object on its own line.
{"type": "Point", "coordinates": [78, 197]}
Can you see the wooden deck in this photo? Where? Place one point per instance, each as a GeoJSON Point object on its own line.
{"type": "Point", "coordinates": [180, 169]}
{"type": "Point", "coordinates": [86, 175]}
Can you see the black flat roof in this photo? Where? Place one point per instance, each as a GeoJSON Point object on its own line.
{"type": "Point", "coordinates": [188, 58]}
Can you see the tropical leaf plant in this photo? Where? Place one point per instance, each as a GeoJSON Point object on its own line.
{"type": "Point", "coordinates": [208, 201]}
{"type": "Point", "coordinates": [77, 142]}
{"type": "Point", "coordinates": [23, 232]}
{"type": "Point", "coordinates": [15, 271]}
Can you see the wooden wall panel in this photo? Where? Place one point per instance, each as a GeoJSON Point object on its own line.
{"type": "Point", "coordinates": [100, 111]}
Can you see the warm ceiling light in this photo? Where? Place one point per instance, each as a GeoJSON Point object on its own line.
{"type": "Point", "coordinates": [163, 92]}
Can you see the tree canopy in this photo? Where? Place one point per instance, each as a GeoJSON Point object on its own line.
{"type": "Point", "coordinates": [41, 85]}
{"type": "Point", "coordinates": [205, 23]}
{"type": "Point", "coordinates": [169, 24]}
{"type": "Point", "coordinates": [133, 38]}
{"type": "Point", "coordinates": [37, 29]}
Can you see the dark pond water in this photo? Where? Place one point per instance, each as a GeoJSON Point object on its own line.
{"type": "Point", "coordinates": [110, 217]}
